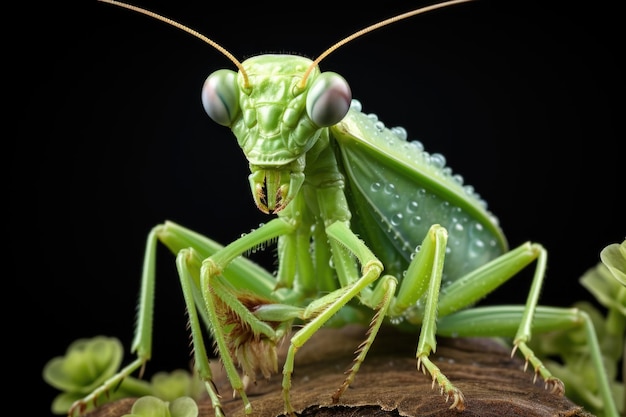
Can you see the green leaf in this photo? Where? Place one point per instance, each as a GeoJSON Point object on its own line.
{"type": "Point", "coordinates": [184, 407]}
{"type": "Point", "coordinates": [608, 291]}
{"type": "Point", "coordinates": [62, 402]}
{"type": "Point", "coordinates": [178, 383]}
{"type": "Point", "coordinates": [86, 365]}
{"type": "Point", "coordinates": [614, 257]}
{"type": "Point", "coordinates": [151, 406]}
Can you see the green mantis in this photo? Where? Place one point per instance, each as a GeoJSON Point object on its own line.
{"type": "Point", "coordinates": [367, 224]}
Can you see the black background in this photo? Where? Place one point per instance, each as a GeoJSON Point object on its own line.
{"type": "Point", "coordinates": [525, 100]}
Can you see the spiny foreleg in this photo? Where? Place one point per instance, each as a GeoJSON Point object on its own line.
{"type": "Point", "coordinates": [345, 244]}
{"type": "Point", "coordinates": [422, 281]}
{"type": "Point", "coordinates": [388, 285]}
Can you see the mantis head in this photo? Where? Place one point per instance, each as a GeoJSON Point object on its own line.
{"type": "Point", "coordinates": [277, 116]}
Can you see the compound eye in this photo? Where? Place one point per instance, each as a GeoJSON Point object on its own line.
{"type": "Point", "coordinates": [219, 96]}
{"type": "Point", "coordinates": [328, 99]}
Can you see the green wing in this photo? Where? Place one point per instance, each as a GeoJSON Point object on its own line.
{"type": "Point", "coordinates": [396, 191]}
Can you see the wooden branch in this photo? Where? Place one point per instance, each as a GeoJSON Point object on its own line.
{"type": "Point", "coordinates": [388, 383]}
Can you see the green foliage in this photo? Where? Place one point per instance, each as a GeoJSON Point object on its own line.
{"type": "Point", "coordinates": [169, 386]}
{"type": "Point", "coordinates": [150, 406]}
{"type": "Point", "coordinates": [572, 361]}
{"type": "Point", "coordinates": [88, 363]}
{"type": "Point", "coordinates": [614, 258]}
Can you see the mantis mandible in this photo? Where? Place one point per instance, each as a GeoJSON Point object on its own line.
{"type": "Point", "coordinates": [367, 225]}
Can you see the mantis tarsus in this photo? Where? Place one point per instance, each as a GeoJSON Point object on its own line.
{"type": "Point", "coordinates": [298, 305]}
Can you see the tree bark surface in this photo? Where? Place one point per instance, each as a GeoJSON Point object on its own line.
{"type": "Point", "coordinates": [388, 383]}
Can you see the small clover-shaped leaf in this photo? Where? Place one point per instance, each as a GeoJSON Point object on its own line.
{"type": "Point", "coordinates": [614, 257]}
{"type": "Point", "coordinates": [86, 365]}
{"type": "Point", "coordinates": [62, 402]}
{"type": "Point", "coordinates": [150, 406]}
{"type": "Point", "coordinates": [602, 284]}
{"type": "Point", "coordinates": [184, 407]}
{"type": "Point", "coordinates": [178, 383]}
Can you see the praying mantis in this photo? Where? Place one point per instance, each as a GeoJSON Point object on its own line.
{"type": "Point", "coordinates": [297, 308]}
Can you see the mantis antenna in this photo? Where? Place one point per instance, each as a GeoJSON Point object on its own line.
{"type": "Point", "coordinates": [372, 28]}
{"type": "Point", "coordinates": [316, 62]}
{"type": "Point", "coordinates": [186, 29]}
